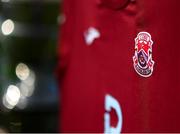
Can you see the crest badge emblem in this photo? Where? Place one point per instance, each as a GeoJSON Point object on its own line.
{"type": "Point", "coordinates": [142, 59]}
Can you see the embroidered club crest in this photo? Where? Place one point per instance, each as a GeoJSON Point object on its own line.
{"type": "Point", "coordinates": [143, 63]}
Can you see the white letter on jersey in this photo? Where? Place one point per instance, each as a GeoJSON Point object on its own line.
{"type": "Point", "coordinates": [90, 35]}
{"type": "Point", "coordinates": [110, 103]}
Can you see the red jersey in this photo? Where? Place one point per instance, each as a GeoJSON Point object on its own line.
{"type": "Point", "coordinates": [119, 66]}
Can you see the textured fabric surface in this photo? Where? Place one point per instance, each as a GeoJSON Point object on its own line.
{"type": "Point", "coordinates": [88, 72]}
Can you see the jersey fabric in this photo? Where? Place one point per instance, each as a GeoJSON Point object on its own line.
{"type": "Point", "coordinates": [96, 49]}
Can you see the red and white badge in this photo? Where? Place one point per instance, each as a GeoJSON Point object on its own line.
{"type": "Point", "coordinates": [142, 59]}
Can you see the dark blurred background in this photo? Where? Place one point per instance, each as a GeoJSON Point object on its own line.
{"type": "Point", "coordinates": [28, 88]}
